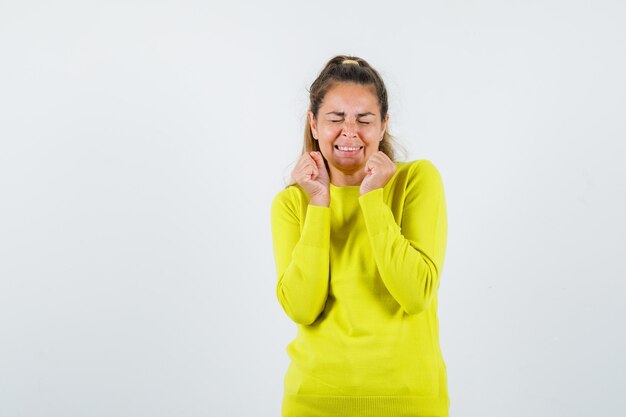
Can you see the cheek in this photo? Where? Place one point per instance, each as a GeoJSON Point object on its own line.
{"type": "Point", "coordinates": [331, 131]}
{"type": "Point", "coordinates": [370, 136]}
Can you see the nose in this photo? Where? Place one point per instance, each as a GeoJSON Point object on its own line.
{"type": "Point", "coordinates": [349, 128]}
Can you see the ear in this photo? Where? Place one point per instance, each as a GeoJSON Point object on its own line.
{"type": "Point", "coordinates": [313, 124]}
{"type": "Point", "coordinates": [384, 125]}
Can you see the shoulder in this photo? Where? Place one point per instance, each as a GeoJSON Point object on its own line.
{"type": "Point", "coordinates": [289, 199]}
{"type": "Point", "coordinates": [419, 182]}
{"type": "Point", "coordinates": [422, 170]}
{"type": "Point", "coordinates": [290, 193]}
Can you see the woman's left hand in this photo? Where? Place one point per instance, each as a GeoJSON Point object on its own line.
{"type": "Point", "coordinates": [378, 171]}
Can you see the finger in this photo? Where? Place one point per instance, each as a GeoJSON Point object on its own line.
{"type": "Point", "coordinates": [385, 161]}
{"type": "Point", "coordinates": [378, 156]}
{"type": "Point", "coordinates": [304, 169]}
{"type": "Point", "coordinates": [306, 159]}
{"type": "Point", "coordinates": [318, 158]}
{"type": "Point", "coordinates": [372, 162]}
{"type": "Point", "coordinates": [380, 160]}
{"type": "Point", "coordinates": [321, 165]}
{"type": "Point", "coordinates": [303, 162]}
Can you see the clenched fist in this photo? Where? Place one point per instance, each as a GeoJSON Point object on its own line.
{"type": "Point", "coordinates": [310, 173]}
{"type": "Point", "coordinates": [378, 171]}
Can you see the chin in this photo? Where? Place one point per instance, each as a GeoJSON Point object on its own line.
{"type": "Point", "coordinates": [349, 165]}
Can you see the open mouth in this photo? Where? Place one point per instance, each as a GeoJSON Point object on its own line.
{"type": "Point", "coordinates": [348, 149]}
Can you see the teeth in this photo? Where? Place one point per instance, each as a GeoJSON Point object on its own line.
{"type": "Point", "coordinates": [347, 148]}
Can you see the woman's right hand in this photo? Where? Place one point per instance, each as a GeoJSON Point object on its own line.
{"type": "Point", "coordinates": [310, 173]}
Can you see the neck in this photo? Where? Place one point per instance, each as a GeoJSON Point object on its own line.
{"type": "Point", "coordinates": [343, 179]}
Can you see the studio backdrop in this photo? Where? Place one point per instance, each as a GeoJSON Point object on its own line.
{"type": "Point", "coordinates": [142, 143]}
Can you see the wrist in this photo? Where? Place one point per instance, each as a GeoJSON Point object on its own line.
{"type": "Point", "coordinates": [367, 190]}
{"type": "Point", "coordinates": [320, 201]}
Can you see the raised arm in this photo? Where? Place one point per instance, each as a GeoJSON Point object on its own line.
{"type": "Point", "coordinates": [410, 257]}
{"type": "Point", "coordinates": [302, 259]}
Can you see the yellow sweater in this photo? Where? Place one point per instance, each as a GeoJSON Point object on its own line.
{"type": "Point", "coordinates": [360, 279]}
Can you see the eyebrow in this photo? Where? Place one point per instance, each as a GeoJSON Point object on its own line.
{"type": "Point", "coordinates": [342, 114]}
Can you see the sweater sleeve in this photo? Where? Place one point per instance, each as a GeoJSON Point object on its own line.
{"type": "Point", "coordinates": [302, 258]}
{"type": "Point", "coordinates": [410, 257]}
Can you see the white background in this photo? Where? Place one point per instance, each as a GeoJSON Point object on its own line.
{"type": "Point", "coordinates": [143, 142]}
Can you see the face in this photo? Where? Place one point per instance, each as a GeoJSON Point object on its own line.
{"type": "Point", "coordinates": [348, 127]}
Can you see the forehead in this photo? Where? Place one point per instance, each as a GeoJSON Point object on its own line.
{"type": "Point", "coordinates": [345, 96]}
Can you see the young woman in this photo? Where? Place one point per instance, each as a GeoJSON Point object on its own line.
{"type": "Point", "coordinates": [359, 243]}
